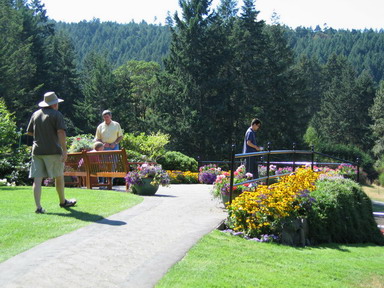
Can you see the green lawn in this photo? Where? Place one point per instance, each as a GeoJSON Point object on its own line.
{"type": "Point", "coordinates": [21, 228]}
{"type": "Point", "coordinates": [221, 260]}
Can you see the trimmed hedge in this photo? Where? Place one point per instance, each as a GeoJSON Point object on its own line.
{"type": "Point", "coordinates": [173, 160]}
{"type": "Point", "coordinates": [342, 213]}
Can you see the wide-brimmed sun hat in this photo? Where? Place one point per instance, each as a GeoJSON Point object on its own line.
{"type": "Point", "coordinates": [106, 112]}
{"type": "Point", "coordinates": [50, 98]}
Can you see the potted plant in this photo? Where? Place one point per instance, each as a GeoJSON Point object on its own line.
{"type": "Point", "coordinates": [221, 187]}
{"type": "Point", "coordinates": [208, 173]}
{"type": "Point", "coordinates": [146, 179]}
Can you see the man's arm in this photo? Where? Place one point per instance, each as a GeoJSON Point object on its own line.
{"type": "Point", "coordinates": [117, 141]}
{"type": "Point", "coordinates": [63, 143]}
{"type": "Point", "coordinates": [250, 144]}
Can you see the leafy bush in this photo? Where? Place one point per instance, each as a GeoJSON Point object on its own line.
{"type": "Point", "coordinates": [342, 213]}
{"type": "Point", "coordinates": [152, 146]}
{"type": "Point", "coordinates": [173, 160]}
{"type": "Point", "coordinates": [134, 156]}
{"type": "Point", "coordinates": [8, 130]}
{"type": "Point", "coordinates": [381, 179]}
{"type": "Point", "coordinates": [15, 166]}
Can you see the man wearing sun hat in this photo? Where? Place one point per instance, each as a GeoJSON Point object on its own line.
{"type": "Point", "coordinates": [49, 150]}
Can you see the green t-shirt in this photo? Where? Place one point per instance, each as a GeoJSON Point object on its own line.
{"type": "Point", "coordinates": [44, 124]}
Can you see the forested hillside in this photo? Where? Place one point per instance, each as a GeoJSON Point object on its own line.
{"type": "Point", "coordinates": [363, 49]}
{"type": "Point", "coordinates": [212, 72]}
{"type": "Point", "coordinates": [121, 42]}
{"type": "Point", "coordinates": [142, 41]}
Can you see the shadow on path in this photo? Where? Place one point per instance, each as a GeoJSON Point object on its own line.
{"type": "Point", "coordinates": [88, 217]}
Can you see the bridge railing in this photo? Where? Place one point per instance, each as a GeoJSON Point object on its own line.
{"type": "Point", "coordinates": [268, 153]}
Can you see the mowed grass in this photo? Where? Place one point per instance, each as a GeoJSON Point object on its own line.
{"type": "Point", "coordinates": [374, 192]}
{"type": "Point", "coordinates": [222, 260]}
{"type": "Point", "coordinates": [21, 228]}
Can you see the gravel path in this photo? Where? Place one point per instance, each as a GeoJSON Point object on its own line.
{"type": "Point", "coordinates": [133, 248]}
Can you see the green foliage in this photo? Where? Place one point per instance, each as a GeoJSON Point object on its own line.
{"type": "Point", "coordinates": [8, 129]}
{"type": "Point", "coordinates": [362, 48]}
{"type": "Point", "coordinates": [343, 115]}
{"type": "Point", "coordinates": [311, 137]}
{"type": "Point", "coordinates": [381, 179]}
{"type": "Point", "coordinates": [15, 166]}
{"type": "Point", "coordinates": [152, 146]}
{"type": "Point", "coordinates": [98, 87]}
{"type": "Point", "coordinates": [173, 160]}
{"type": "Point", "coordinates": [377, 127]}
{"type": "Point", "coordinates": [342, 213]}
{"type": "Point", "coordinates": [135, 82]}
{"type": "Point", "coordinates": [122, 42]}
{"type": "Point", "coordinates": [80, 142]}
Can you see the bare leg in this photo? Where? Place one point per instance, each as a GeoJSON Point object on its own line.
{"type": "Point", "coordinates": [37, 190]}
{"type": "Point", "coordinates": [59, 183]}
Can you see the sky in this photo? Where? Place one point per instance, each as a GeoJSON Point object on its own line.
{"type": "Point", "coordinates": [338, 14]}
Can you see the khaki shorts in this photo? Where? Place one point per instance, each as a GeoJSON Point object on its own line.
{"type": "Point", "coordinates": [46, 166]}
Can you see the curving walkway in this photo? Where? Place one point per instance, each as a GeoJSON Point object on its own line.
{"type": "Point", "coordinates": [133, 248]}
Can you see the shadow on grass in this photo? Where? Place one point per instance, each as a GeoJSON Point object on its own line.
{"type": "Point", "coordinates": [88, 217]}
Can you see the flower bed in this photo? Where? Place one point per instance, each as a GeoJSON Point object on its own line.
{"type": "Point", "coordinates": [261, 212]}
{"type": "Point", "coordinates": [208, 173]}
{"type": "Point", "coordinates": [182, 177]}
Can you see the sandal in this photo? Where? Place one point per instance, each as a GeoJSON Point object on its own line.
{"type": "Point", "coordinates": [68, 203]}
{"type": "Point", "coordinates": [40, 210]}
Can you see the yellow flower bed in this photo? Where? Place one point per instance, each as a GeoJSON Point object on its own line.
{"type": "Point", "coordinates": [183, 177]}
{"type": "Point", "coordinates": [261, 211]}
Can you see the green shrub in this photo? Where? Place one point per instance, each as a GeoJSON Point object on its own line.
{"type": "Point", "coordinates": [151, 146]}
{"type": "Point", "coordinates": [15, 166]}
{"type": "Point", "coordinates": [381, 179]}
{"type": "Point", "coordinates": [8, 130]}
{"type": "Point", "coordinates": [342, 213]}
{"type": "Point", "coordinates": [173, 160]}
{"type": "Point", "coordinates": [134, 156]}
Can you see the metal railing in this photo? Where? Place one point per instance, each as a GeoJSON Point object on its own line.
{"type": "Point", "coordinates": [294, 163]}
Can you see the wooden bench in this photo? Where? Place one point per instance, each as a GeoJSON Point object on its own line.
{"type": "Point", "coordinates": [75, 169]}
{"type": "Point", "coordinates": [92, 165]}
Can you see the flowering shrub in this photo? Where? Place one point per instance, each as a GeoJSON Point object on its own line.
{"type": "Point", "coordinates": [284, 170]}
{"type": "Point", "coordinates": [264, 210]}
{"type": "Point", "coordinates": [155, 172]}
{"type": "Point", "coordinates": [181, 177]}
{"type": "Point", "coordinates": [80, 142]}
{"type": "Point", "coordinates": [222, 183]}
{"type": "Point", "coordinates": [347, 171]}
{"type": "Point", "coordinates": [208, 173]}
{"type": "Point", "coordinates": [273, 170]}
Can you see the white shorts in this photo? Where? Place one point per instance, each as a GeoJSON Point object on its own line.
{"type": "Point", "coordinates": [46, 166]}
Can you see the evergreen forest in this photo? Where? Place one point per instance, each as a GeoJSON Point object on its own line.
{"type": "Point", "coordinates": [201, 78]}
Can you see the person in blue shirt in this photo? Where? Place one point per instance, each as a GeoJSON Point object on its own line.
{"type": "Point", "coordinates": [250, 146]}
